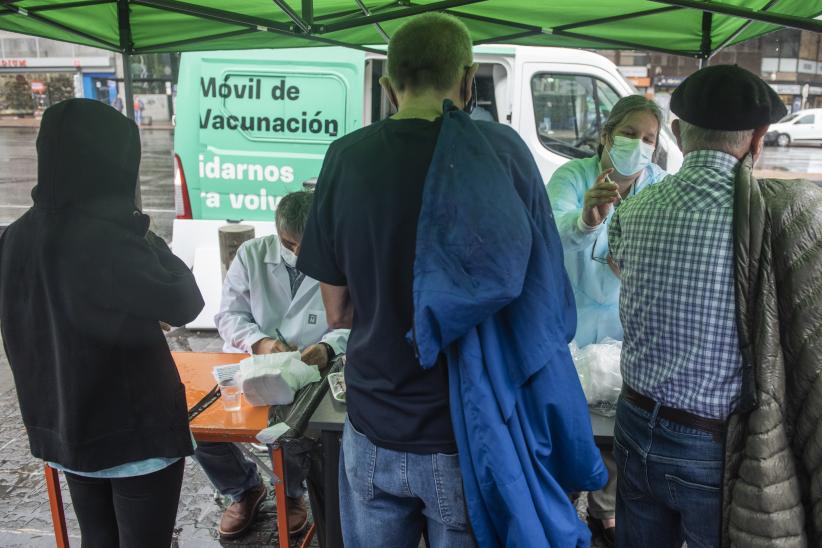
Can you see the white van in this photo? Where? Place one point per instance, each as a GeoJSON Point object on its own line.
{"type": "Point", "coordinates": [253, 126]}
{"type": "Point", "coordinates": [801, 127]}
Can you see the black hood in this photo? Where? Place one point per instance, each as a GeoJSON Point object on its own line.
{"type": "Point", "coordinates": [88, 159]}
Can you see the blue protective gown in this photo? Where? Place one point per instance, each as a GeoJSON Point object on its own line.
{"type": "Point", "coordinates": [596, 288]}
{"type": "Point", "coordinates": [490, 291]}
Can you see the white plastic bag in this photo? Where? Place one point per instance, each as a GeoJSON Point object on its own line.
{"type": "Point", "coordinates": [598, 369]}
{"type": "Point", "coordinates": [273, 379]}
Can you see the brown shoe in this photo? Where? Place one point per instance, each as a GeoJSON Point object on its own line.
{"type": "Point", "coordinates": [297, 515]}
{"type": "Point", "coordinates": [598, 530]}
{"type": "Point", "coordinates": [238, 517]}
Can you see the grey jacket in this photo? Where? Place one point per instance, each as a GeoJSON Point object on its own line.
{"type": "Point", "coordinates": [772, 487]}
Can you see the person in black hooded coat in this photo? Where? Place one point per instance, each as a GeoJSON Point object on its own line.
{"type": "Point", "coordinates": [84, 286]}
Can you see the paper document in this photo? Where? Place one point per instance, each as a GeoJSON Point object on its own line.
{"type": "Point", "coordinates": [225, 372]}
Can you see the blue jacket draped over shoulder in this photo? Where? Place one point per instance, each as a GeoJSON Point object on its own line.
{"type": "Point", "coordinates": [491, 293]}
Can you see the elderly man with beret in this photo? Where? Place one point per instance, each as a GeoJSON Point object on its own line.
{"type": "Point", "coordinates": [717, 430]}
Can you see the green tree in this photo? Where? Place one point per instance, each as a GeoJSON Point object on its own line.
{"type": "Point", "coordinates": [61, 87]}
{"type": "Point", "coordinates": [17, 95]}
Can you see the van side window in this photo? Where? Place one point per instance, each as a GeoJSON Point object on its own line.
{"type": "Point", "coordinates": [378, 107]}
{"type": "Point", "coordinates": [569, 110]}
{"type": "Point", "coordinates": [807, 119]}
{"type": "Point", "coordinates": [489, 105]}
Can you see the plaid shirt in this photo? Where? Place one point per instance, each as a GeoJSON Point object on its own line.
{"type": "Point", "coordinates": [674, 245]}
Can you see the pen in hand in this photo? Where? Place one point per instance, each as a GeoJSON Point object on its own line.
{"type": "Point", "coordinates": [283, 341]}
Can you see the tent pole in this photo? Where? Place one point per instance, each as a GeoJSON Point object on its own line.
{"type": "Point", "coordinates": [126, 48]}
{"type": "Point", "coordinates": [705, 47]}
{"type": "Point", "coordinates": [622, 43]}
{"type": "Point", "coordinates": [721, 8]}
{"type": "Point", "coordinates": [258, 23]}
{"type": "Point", "coordinates": [8, 8]}
{"type": "Point", "coordinates": [741, 29]}
{"type": "Point", "coordinates": [308, 11]}
{"type": "Point", "coordinates": [380, 30]}
{"type": "Point", "coordinates": [128, 84]}
{"type": "Point", "coordinates": [295, 18]}
{"type": "Point", "coordinates": [614, 18]}
{"type": "Point", "coordinates": [412, 9]}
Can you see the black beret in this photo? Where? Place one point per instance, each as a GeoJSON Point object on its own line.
{"type": "Point", "coordinates": [727, 98]}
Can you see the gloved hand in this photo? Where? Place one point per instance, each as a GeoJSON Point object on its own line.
{"type": "Point", "coordinates": [598, 200]}
{"type": "Point", "coordinates": [270, 346]}
{"type": "Point", "coordinates": [316, 354]}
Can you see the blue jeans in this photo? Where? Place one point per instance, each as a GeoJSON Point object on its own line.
{"type": "Point", "coordinates": [232, 474]}
{"type": "Point", "coordinates": [391, 498]}
{"type": "Point", "coordinates": [669, 486]}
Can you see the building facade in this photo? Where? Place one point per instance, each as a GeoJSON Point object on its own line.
{"type": "Point", "coordinates": [40, 60]}
{"type": "Point", "coordinates": [790, 60]}
{"type": "Point", "coordinates": [54, 70]}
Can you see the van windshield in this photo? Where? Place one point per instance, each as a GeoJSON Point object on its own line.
{"type": "Point", "coordinates": [788, 118]}
{"type": "Point", "coordinates": [569, 111]}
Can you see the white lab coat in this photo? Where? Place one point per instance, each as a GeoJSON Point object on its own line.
{"type": "Point", "coordinates": [257, 300]}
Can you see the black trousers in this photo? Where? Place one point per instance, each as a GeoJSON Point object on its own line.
{"type": "Point", "coordinates": [136, 512]}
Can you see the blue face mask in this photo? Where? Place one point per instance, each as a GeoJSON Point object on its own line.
{"type": "Point", "coordinates": [630, 156]}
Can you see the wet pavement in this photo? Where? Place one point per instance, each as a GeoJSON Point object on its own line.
{"type": "Point", "coordinates": [795, 159]}
{"type": "Point", "coordinates": [18, 175]}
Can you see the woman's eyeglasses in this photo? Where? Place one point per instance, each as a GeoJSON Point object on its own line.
{"type": "Point", "coordinates": [604, 260]}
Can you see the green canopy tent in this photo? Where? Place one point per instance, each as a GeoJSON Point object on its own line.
{"type": "Point", "coordinates": [696, 28]}
{"type": "Point", "coordinates": [686, 27]}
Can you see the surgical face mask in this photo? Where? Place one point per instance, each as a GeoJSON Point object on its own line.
{"type": "Point", "coordinates": [289, 257]}
{"type": "Point", "coordinates": [630, 156]}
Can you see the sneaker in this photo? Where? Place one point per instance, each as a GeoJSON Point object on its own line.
{"type": "Point", "coordinates": [297, 515]}
{"type": "Point", "coordinates": [238, 517]}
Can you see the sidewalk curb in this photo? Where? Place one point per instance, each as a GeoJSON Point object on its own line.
{"type": "Point", "coordinates": [35, 123]}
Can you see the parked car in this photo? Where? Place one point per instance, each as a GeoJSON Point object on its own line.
{"type": "Point", "coordinates": [803, 126]}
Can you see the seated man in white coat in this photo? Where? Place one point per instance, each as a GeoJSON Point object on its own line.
{"type": "Point", "coordinates": [263, 292]}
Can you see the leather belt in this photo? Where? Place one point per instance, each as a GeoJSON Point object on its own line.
{"type": "Point", "coordinates": [712, 426]}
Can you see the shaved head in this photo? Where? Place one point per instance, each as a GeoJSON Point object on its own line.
{"type": "Point", "coordinates": [430, 51]}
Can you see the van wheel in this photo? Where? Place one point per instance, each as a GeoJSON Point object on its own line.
{"type": "Point", "coordinates": [783, 140]}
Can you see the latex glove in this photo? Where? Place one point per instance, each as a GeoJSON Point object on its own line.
{"type": "Point", "coordinates": [598, 200]}
{"type": "Point", "coordinates": [269, 345]}
{"type": "Point", "coordinates": [316, 354]}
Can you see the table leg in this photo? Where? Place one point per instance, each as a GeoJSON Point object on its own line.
{"type": "Point", "coordinates": [279, 492]}
{"type": "Point", "coordinates": [331, 473]}
{"type": "Point", "coordinates": [309, 535]}
{"type": "Point", "coordinates": [58, 516]}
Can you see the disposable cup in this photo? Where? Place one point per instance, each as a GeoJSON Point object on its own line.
{"type": "Point", "coordinates": [231, 395]}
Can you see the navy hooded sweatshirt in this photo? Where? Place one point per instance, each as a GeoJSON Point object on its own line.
{"type": "Point", "coordinates": [83, 285]}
